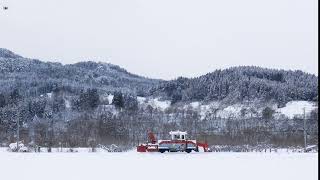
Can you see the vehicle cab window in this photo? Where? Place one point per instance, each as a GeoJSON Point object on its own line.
{"type": "Point", "coordinates": [176, 137]}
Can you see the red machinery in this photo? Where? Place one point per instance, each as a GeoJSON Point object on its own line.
{"type": "Point", "coordinates": [178, 143]}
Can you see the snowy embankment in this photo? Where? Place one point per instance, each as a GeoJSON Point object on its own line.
{"type": "Point", "coordinates": [290, 110]}
{"type": "Point", "coordinates": [249, 109]}
{"type": "Point", "coordinates": [132, 165]}
{"type": "Point", "coordinates": [296, 108]}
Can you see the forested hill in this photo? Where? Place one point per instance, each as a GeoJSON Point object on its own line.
{"type": "Point", "coordinates": [234, 85]}
{"type": "Point", "coordinates": [34, 77]}
{"type": "Point", "coordinates": [239, 84]}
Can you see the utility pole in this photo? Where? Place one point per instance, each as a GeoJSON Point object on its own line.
{"type": "Point", "coordinates": [18, 133]}
{"type": "Point", "coordinates": [304, 129]}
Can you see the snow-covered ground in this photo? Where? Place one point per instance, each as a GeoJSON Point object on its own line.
{"type": "Point", "coordinates": [291, 109]}
{"type": "Point", "coordinates": [132, 165]}
{"type": "Point", "coordinates": [155, 103]}
{"type": "Point", "coordinates": [295, 108]}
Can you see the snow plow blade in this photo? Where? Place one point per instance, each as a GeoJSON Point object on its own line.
{"type": "Point", "coordinates": [141, 148]}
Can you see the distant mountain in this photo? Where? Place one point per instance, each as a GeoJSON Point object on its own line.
{"type": "Point", "coordinates": [242, 84]}
{"type": "Point", "coordinates": [43, 77]}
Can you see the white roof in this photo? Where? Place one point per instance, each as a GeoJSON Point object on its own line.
{"type": "Point", "coordinates": [178, 132]}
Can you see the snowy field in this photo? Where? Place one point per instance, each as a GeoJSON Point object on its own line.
{"type": "Point", "coordinates": [132, 165]}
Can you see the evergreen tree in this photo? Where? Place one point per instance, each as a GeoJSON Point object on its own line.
{"type": "Point", "coordinates": [118, 100]}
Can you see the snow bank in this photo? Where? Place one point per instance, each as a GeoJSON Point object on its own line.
{"type": "Point", "coordinates": [49, 95]}
{"type": "Point", "coordinates": [67, 103]}
{"type": "Point", "coordinates": [160, 104]}
{"type": "Point", "coordinates": [110, 98]}
{"type": "Point", "coordinates": [292, 109]}
{"type": "Point", "coordinates": [141, 100]}
{"type": "Point", "coordinates": [195, 104]}
{"type": "Point", "coordinates": [295, 108]}
{"type": "Point", "coordinates": [155, 103]}
{"type": "Point", "coordinates": [231, 111]}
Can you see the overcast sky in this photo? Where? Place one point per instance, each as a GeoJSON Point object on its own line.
{"type": "Point", "coordinates": [165, 38]}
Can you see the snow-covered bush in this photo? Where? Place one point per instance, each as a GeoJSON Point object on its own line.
{"type": "Point", "coordinates": [18, 147]}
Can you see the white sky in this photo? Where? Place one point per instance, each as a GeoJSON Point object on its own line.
{"type": "Point", "coordinates": [165, 38]}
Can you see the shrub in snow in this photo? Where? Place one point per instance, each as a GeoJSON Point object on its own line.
{"type": "Point", "coordinates": [14, 148]}
{"type": "Point", "coordinates": [111, 148]}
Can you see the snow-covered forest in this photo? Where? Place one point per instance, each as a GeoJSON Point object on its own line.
{"type": "Point", "coordinates": [91, 103]}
